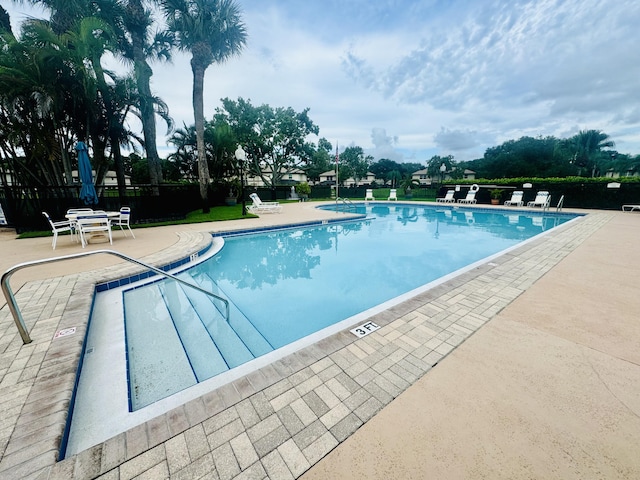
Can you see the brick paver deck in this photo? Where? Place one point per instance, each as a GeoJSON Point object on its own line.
{"type": "Point", "coordinates": [273, 423]}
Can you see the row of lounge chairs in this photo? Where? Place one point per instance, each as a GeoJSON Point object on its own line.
{"type": "Point", "coordinates": [393, 195]}
{"type": "Point", "coordinates": [543, 199]}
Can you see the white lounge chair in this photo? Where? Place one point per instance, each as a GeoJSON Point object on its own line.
{"type": "Point", "coordinates": [263, 207]}
{"type": "Point", "coordinates": [448, 198]}
{"type": "Point", "coordinates": [123, 221]}
{"type": "Point", "coordinates": [470, 198]}
{"type": "Point", "coordinates": [392, 195]}
{"type": "Point", "coordinates": [369, 195]}
{"type": "Point", "coordinates": [516, 199]}
{"type": "Point", "coordinates": [93, 223]}
{"type": "Point", "coordinates": [630, 208]}
{"type": "Point", "coordinates": [543, 200]}
{"type": "Point", "coordinates": [59, 227]}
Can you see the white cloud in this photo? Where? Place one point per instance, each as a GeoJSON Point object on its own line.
{"type": "Point", "coordinates": [444, 77]}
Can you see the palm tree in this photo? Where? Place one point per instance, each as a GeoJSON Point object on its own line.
{"type": "Point", "coordinates": [139, 47]}
{"type": "Point", "coordinates": [213, 31]}
{"type": "Point", "coordinates": [131, 23]}
{"type": "Point", "coordinates": [588, 146]}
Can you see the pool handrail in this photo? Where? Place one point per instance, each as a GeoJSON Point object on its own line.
{"type": "Point", "coordinates": [15, 310]}
{"type": "Point", "coordinates": [346, 203]}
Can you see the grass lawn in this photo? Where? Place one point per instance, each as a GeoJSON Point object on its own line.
{"type": "Point", "coordinates": [216, 214]}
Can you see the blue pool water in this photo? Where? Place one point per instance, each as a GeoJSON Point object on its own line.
{"type": "Point", "coordinates": [286, 284]}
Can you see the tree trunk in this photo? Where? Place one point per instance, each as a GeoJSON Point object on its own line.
{"type": "Point", "coordinates": [198, 114]}
{"type": "Point", "coordinates": [119, 166]}
{"type": "Point", "coordinates": [147, 115]}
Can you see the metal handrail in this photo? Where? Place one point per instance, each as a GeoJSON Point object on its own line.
{"type": "Point", "coordinates": [346, 203]}
{"type": "Point", "coordinates": [560, 204]}
{"type": "Point", "coordinates": [17, 315]}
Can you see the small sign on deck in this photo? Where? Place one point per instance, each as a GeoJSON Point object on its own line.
{"type": "Point", "coordinates": [364, 329]}
{"type": "Point", "coordinates": [65, 332]}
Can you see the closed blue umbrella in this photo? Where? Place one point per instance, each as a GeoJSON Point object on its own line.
{"type": "Point", "coordinates": [88, 192]}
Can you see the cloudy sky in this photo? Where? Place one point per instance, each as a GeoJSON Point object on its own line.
{"type": "Point", "coordinates": [407, 80]}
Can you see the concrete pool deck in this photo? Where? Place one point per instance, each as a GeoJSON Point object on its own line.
{"type": "Point", "coordinates": [545, 388]}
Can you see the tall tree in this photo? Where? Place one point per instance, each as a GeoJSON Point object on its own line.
{"type": "Point", "coordinates": [55, 93]}
{"type": "Point", "coordinates": [354, 164]}
{"type": "Point", "coordinates": [116, 95]}
{"type": "Point", "coordinates": [139, 46]}
{"type": "Point", "coordinates": [383, 169]}
{"type": "Point", "coordinates": [220, 144]}
{"type": "Point", "coordinates": [321, 160]}
{"type": "Point", "coordinates": [434, 166]}
{"type": "Point", "coordinates": [588, 146]}
{"type": "Point", "coordinates": [5, 22]}
{"type": "Point", "coordinates": [212, 31]}
{"type": "Point", "coordinates": [275, 138]}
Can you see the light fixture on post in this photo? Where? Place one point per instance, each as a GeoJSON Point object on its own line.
{"type": "Point", "coordinates": [241, 156]}
{"type": "Point", "coordinates": [443, 169]}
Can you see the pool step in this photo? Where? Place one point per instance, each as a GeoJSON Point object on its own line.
{"type": "Point", "coordinates": [205, 357]}
{"type": "Point", "coordinates": [243, 327]}
{"type": "Point", "coordinates": [231, 346]}
{"type": "Point", "coordinates": [158, 365]}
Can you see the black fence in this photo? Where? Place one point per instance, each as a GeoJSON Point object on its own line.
{"type": "Point", "coordinates": [23, 206]}
{"type": "Point", "coordinates": [597, 195]}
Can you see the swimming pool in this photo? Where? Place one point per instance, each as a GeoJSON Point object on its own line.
{"type": "Point", "coordinates": [105, 367]}
{"type": "Point", "coordinates": [286, 284]}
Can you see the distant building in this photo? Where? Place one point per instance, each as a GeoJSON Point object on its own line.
{"type": "Point", "coordinates": [632, 172]}
{"type": "Point", "coordinates": [110, 179]}
{"type": "Point", "coordinates": [330, 177]}
{"type": "Point", "coordinates": [290, 177]}
{"type": "Point", "coordinates": [422, 177]}
{"type": "Point", "coordinates": [468, 174]}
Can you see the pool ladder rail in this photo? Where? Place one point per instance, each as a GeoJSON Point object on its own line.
{"type": "Point", "coordinates": [343, 203]}
{"type": "Point", "coordinates": [17, 314]}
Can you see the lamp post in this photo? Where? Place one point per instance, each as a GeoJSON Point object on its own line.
{"type": "Point", "coordinates": [241, 156]}
{"type": "Point", "coordinates": [443, 169]}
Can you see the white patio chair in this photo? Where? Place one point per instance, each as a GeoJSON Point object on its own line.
{"type": "Point", "coordinates": [73, 213]}
{"type": "Point", "coordinates": [263, 207]}
{"type": "Point", "coordinates": [543, 200]}
{"type": "Point", "coordinates": [516, 199]}
{"type": "Point", "coordinates": [470, 198]}
{"type": "Point", "coordinates": [92, 224]}
{"type": "Point", "coordinates": [392, 195]}
{"type": "Point", "coordinates": [59, 227]}
{"type": "Point", "coordinates": [123, 221]}
{"type": "Point", "coordinates": [448, 198]}
{"type": "Point", "coordinates": [369, 195]}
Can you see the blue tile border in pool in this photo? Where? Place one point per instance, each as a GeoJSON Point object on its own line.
{"type": "Point", "coordinates": [102, 287]}
{"type": "Point", "coordinates": [233, 233]}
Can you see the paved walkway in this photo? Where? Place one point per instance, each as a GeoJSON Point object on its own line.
{"type": "Point", "coordinates": [547, 388]}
